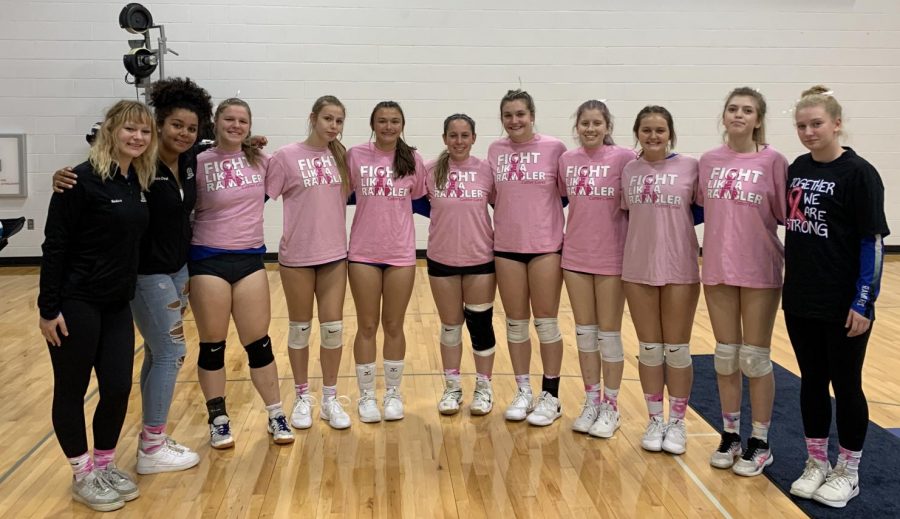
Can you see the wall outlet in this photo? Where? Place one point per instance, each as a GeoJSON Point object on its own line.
{"type": "Point", "coordinates": [29, 224]}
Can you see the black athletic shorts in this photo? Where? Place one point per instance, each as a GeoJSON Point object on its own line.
{"type": "Point", "coordinates": [230, 267]}
{"type": "Point", "coordinates": [439, 270]}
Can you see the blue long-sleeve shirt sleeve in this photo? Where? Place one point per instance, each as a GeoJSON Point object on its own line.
{"type": "Point", "coordinates": [422, 206]}
{"type": "Point", "coordinates": [871, 263]}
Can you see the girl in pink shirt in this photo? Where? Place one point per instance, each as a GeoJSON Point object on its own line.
{"type": "Point", "coordinates": [313, 179]}
{"type": "Point", "coordinates": [592, 262]}
{"type": "Point", "coordinates": [228, 279]}
{"type": "Point", "coordinates": [742, 189]}
{"type": "Point", "coordinates": [461, 261]}
{"type": "Point", "coordinates": [528, 232]}
{"type": "Point", "coordinates": [662, 279]}
{"type": "Point", "coordinates": [386, 176]}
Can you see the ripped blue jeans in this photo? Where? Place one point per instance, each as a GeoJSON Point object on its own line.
{"type": "Point", "coordinates": [158, 304]}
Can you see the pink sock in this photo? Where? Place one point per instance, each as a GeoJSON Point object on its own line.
{"type": "Point", "coordinates": [328, 393]}
{"type": "Point", "coordinates": [81, 466]}
{"type": "Point", "coordinates": [102, 458]}
{"type": "Point", "coordinates": [818, 449]}
{"type": "Point", "coordinates": [593, 393]}
{"type": "Point", "coordinates": [611, 397]}
{"type": "Point", "coordinates": [452, 375]}
{"type": "Point", "coordinates": [731, 422]}
{"type": "Point", "coordinates": [523, 381]}
{"type": "Point", "coordinates": [677, 407]}
{"type": "Point", "coordinates": [301, 389]}
{"type": "Point", "coordinates": [851, 458]}
{"type": "Point", "coordinates": [152, 438]}
{"type": "Point", "coordinates": [654, 405]}
{"type": "Point", "coordinates": [483, 377]}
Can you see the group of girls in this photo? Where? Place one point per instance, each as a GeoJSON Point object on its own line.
{"type": "Point", "coordinates": [629, 236]}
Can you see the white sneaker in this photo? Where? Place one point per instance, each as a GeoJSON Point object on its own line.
{"type": "Point", "coordinates": [450, 400]}
{"type": "Point", "coordinates": [170, 457]}
{"type": "Point", "coordinates": [675, 439]}
{"type": "Point", "coordinates": [546, 411]}
{"type": "Point", "coordinates": [301, 416]}
{"type": "Point", "coordinates": [757, 457]}
{"type": "Point", "coordinates": [653, 435]}
{"type": "Point", "coordinates": [522, 404]}
{"type": "Point", "coordinates": [587, 417]}
{"type": "Point", "coordinates": [368, 408]}
{"type": "Point", "coordinates": [728, 452]}
{"type": "Point", "coordinates": [332, 411]}
{"type": "Point", "coordinates": [278, 428]}
{"type": "Point", "coordinates": [95, 492]}
{"type": "Point", "coordinates": [393, 404]}
{"type": "Point", "coordinates": [840, 487]}
{"type": "Point", "coordinates": [220, 433]}
{"type": "Point", "coordinates": [121, 482]}
{"type": "Point", "coordinates": [812, 478]}
{"type": "Point", "coordinates": [607, 422]}
{"type": "Point", "coordinates": [482, 400]}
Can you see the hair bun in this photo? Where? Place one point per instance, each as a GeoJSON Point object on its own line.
{"type": "Point", "coordinates": [816, 90]}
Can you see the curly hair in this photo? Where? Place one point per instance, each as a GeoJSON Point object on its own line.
{"type": "Point", "coordinates": [168, 95]}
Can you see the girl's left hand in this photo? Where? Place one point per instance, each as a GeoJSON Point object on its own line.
{"type": "Point", "coordinates": [857, 324]}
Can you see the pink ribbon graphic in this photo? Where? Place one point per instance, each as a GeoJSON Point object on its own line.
{"type": "Point", "coordinates": [228, 174]}
{"type": "Point", "coordinates": [515, 167]}
{"type": "Point", "coordinates": [647, 192]}
{"type": "Point", "coordinates": [381, 181]}
{"type": "Point", "coordinates": [321, 177]}
{"type": "Point", "coordinates": [452, 187]}
{"type": "Point", "coordinates": [728, 186]}
{"type": "Point", "coordinates": [794, 198]}
{"type": "Point", "coordinates": [582, 187]}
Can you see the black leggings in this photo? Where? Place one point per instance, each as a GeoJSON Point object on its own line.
{"type": "Point", "coordinates": [101, 337]}
{"type": "Point", "coordinates": [825, 354]}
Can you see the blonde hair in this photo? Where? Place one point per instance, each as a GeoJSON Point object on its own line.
{"type": "Point", "coordinates": [103, 153]}
{"type": "Point", "coordinates": [759, 134]}
{"type": "Point", "coordinates": [820, 95]}
{"type": "Point", "coordinates": [253, 154]}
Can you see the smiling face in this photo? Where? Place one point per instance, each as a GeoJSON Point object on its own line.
{"type": "Point", "coordinates": [741, 117]}
{"type": "Point", "coordinates": [232, 127]}
{"type": "Point", "coordinates": [132, 139]}
{"type": "Point", "coordinates": [654, 135]}
{"type": "Point", "coordinates": [328, 124]}
{"type": "Point", "coordinates": [459, 140]}
{"type": "Point", "coordinates": [592, 128]}
{"type": "Point", "coordinates": [817, 130]}
{"type": "Point", "coordinates": [178, 132]}
{"type": "Point", "coordinates": [387, 124]}
{"type": "Point", "coordinates": [517, 120]}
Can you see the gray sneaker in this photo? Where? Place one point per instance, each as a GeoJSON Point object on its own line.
{"type": "Point", "coordinates": [120, 481]}
{"type": "Point", "coordinates": [96, 493]}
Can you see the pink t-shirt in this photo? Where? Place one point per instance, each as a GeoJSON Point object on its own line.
{"type": "Point", "coordinates": [382, 229]}
{"type": "Point", "coordinates": [315, 220]}
{"type": "Point", "coordinates": [661, 245]}
{"type": "Point", "coordinates": [231, 194]}
{"type": "Point", "coordinates": [528, 215]}
{"type": "Point", "coordinates": [597, 225]}
{"type": "Point", "coordinates": [743, 195]}
{"type": "Point", "coordinates": [460, 233]}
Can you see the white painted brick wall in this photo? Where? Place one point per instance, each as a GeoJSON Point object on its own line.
{"type": "Point", "coordinates": [60, 67]}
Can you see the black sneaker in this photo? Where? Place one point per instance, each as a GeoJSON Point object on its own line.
{"type": "Point", "coordinates": [729, 449]}
{"type": "Point", "coordinates": [757, 457]}
{"type": "Point", "coordinates": [9, 227]}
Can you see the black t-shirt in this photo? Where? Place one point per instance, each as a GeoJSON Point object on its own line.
{"type": "Point", "coordinates": [92, 239]}
{"type": "Point", "coordinates": [831, 208]}
{"type": "Point", "coordinates": [164, 248]}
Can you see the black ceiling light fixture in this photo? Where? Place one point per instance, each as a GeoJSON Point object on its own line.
{"type": "Point", "coordinates": [135, 18]}
{"type": "Point", "coordinates": [142, 60]}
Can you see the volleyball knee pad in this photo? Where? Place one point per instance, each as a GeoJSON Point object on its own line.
{"type": "Point", "coordinates": [651, 354]}
{"type": "Point", "coordinates": [331, 334]}
{"type": "Point", "coordinates": [547, 329]}
{"type": "Point", "coordinates": [755, 361]}
{"type": "Point", "coordinates": [610, 345]}
{"type": "Point", "coordinates": [480, 323]}
{"type": "Point", "coordinates": [517, 330]}
{"type": "Point", "coordinates": [586, 338]}
{"type": "Point", "coordinates": [259, 352]}
{"type": "Point", "coordinates": [451, 335]}
{"type": "Point", "coordinates": [211, 356]}
{"type": "Point", "coordinates": [298, 335]}
{"type": "Point", "coordinates": [726, 359]}
{"type": "Point", "coordinates": [678, 355]}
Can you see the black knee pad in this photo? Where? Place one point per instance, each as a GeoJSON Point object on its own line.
{"type": "Point", "coordinates": [212, 355]}
{"type": "Point", "coordinates": [259, 352]}
{"type": "Point", "coordinates": [481, 328]}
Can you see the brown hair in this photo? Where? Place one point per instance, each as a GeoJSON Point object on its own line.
{"type": "Point", "coordinates": [595, 104]}
{"type": "Point", "coordinates": [253, 155]}
{"type": "Point", "coordinates": [518, 95]}
{"type": "Point", "coordinates": [336, 147]}
{"type": "Point", "coordinates": [759, 134]}
{"type": "Point", "coordinates": [655, 110]}
{"type": "Point", "coordinates": [404, 158]}
{"type": "Point", "coordinates": [443, 160]}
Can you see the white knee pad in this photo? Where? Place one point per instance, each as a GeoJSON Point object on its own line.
{"type": "Point", "coordinates": [331, 334]}
{"type": "Point", "coordinates": [298, 335]}
{"type": "Point", "coordinates": [755, 361]}
{"type": "Point", "coordinates": [547, 329]}
{"type": "Point", "coordinates": [451, 334]}
{"type": "Point", "coordinates": [481, 307]}
{"type": "Point", "coordinates": [586, 338]}
{"type": "Point", "coordinates": [517, 330]}
{"type": "Point", "coordinates": [610, 345]}
{"type": "Point", "coordinates": [678, 355]}
{"type": "Point", "coordinates": [651, 354]}
{"type": "Point", "coordinates": [726, 359]}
